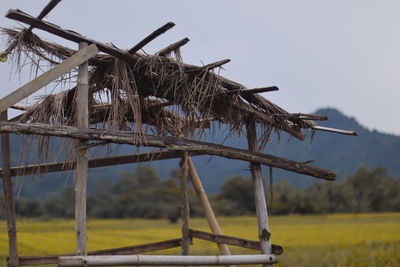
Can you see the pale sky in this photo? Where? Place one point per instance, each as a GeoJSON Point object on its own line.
{"type": "Point", "coordinates": [343, 53]}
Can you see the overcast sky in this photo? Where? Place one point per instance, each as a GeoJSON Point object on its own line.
{"type": "Point", "coordinates": [343, 53]}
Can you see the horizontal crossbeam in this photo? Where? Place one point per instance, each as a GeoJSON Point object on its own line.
{"type": "Point", "coordinates": [95, 163]}
{"type": "Point", "coordinates": [168, 142]}
{"type": "Point", "coordinates": [234, 241]}
{"type": "Point", "coordinates": [159, 260]}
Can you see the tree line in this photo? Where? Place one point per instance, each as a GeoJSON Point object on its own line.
{"type": "Point", "coordinates": [142, 194]}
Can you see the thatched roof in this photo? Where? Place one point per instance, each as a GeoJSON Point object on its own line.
{"type": "Point", "coordinates": [157, 93]}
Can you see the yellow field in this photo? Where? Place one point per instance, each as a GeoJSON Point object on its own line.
{"type": "Point", "coordinates": [329, 240]}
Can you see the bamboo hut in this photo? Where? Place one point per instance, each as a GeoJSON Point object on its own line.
{"type": "Point", "coordinates": [127, 97]}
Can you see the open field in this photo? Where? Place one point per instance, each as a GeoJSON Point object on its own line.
{"type": "Point", "coordinates": [321, 240]}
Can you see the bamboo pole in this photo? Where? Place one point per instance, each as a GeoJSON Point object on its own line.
{"type": "Point", "coordinates": [81, 174]}
{"type": "Point", "coordinates": [183, 173]}
{"type": "Point", "coordinates": [208, 211]}
{"type": "Point", "coordinates": [8, 196]}
{"type": "Point", "coordinates": [259, 195]}
{"type": "Point", "coordinates": [159, 260]}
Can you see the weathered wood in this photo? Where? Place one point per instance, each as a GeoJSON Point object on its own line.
{"type": "Point", "coordinates": [172, 47]}
{"type": "Point", "coordinates": [159, 260]}
{"type": "Point", "coordinates": [216, 64]}
{"type": "Point", "coordinates": [234, 241]}
{"type": "Point", "coordinates": [46, 10]}
{"type": "Point", "coordinates": [96, 163]}
{"type": "Point", "coordinates": [133, 58]}
{"type": "Point", "coordinates": [251, 91]}
{"type": "Point", "coordinates": [169, 142]}
{"type": "Point", "coordinates": [259, 195]}
{"type": "Point", "coordinates": [155, 246]}
{"type": "Point", "coordinates": [48, 77]}
{"type": "Point", "coordinates": [310, 116]}
{"type": "Point", "coordinates": [151, 37]}
{"type": "Point", "coordinates": [183, 173]}
{"type": "Point", "coordinates": [81, 173]}
{"type": "Point", "coordinates": [8, 196]}
{"type": "Point", "coordinates": [333, 130]}
{"type": "Point", "coordinates": [209, 213]}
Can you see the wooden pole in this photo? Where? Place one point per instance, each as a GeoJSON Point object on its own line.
{"type": "Point", "coordinates": [183, 173]}
{"type": "Point", "coordinates": [162, 260]}
{"type": "Point", "coordinates": [259, 195]}
{"type": "Point", "coordinates": [81, 174]}
{"type": "Point", "coordinates": [47, 77]}
{"type": "Point", "coordinates": [169, 142]}
{"type": "Point", "coordinates": [208, 211]}
{"type": "Point", "coordinates": [95, 163]}
{"type": "Point", "coordinates": [8, 196]}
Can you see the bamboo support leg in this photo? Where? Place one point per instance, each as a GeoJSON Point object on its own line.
{"type": "Point", "coordinates": [211, 219]}
{"type": "Point", "coordinates": [259, 195]}
{"type": "Point", "coordinates": [183, 173]}
{"type": "Point", "coordinates": [81, 174]}
{"type": "Point", "coordinates": [8, 196]}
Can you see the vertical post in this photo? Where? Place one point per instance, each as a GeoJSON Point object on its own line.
{"type": "Point", "coordinates": [201, 194]}
{"type": "Point", "coordinates": [183, 173]}
{"type": "Point", "coordinates": [81, 173]}
{"type": "Point", "coordinates": [259, 195]}
{"type": "Point", "coordinates": [8, 196]}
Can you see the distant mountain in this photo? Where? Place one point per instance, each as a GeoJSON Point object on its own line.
{"type": "Point", "coordinates": [343, 154]}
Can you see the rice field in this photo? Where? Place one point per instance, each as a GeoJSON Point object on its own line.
{"type": "Point", "coordinates": [320, 240]}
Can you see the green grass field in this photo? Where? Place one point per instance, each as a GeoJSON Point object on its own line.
{"type": "Point", "coordinates": [327, 240]}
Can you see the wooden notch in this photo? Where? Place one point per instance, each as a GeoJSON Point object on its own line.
{"type": "Point", "coordinates": [46, 10]}
{"type": "Point", "coordinates": [46, 78]}
{"type": "Point", "coordinates": [172, 47]}
{"type": "Point", "coordinates": [151, 37]}
{"type": "Point", "coordinates": [234, 241]}
{"type": "Point", "coordinates": [156, 246]}
{"type": "Point", "coordinates": [159, 260]}
{"type": "Point", "coordinates": [168, 142]}
{"type": "Point", "coordinates": [95, 163]}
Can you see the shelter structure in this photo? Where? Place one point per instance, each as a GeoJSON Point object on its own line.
{"type": "Point", "coordinates": [128, 97]}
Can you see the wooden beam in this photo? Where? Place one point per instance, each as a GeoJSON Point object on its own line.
{"type": "Point", "coordinates": [46, 10]}
{"type": "Point", "coordinates": [172, 47]}
{"type": "Point", "coordinates": [216, 64]}
{"type": "Point", "coordinates": [251, 91]}
{"type": "Point", "coordinates": [81, 173]}
{"type": "Point", "coordinates": [259, 195]}
{"type": "Point", "coordinates": [169, 142]}
{"type": "Point", "coordinates": [8, 196]}
{"type": "Point", "coordinates": [183, 174]}
{"type": "Point", "coordinates": [95, 163]}
{"type": "Point", "coordinates": [208, 211]}
{"type": "Point", "coordinates": [48, 77]}
{"type": "Point", "coordinates": [151, 37]}
{"type": "Point", "coordinates": [156, 246]}
{"type": "Point", "coordinates": [234, 241]}
{"type": "Point", "coordinates": [160, 260]}
{"type": "Point", "coordinates": [18, 15]}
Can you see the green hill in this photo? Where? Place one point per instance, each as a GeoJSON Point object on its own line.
{"type": "Point", "coordinates": [343, 154]}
